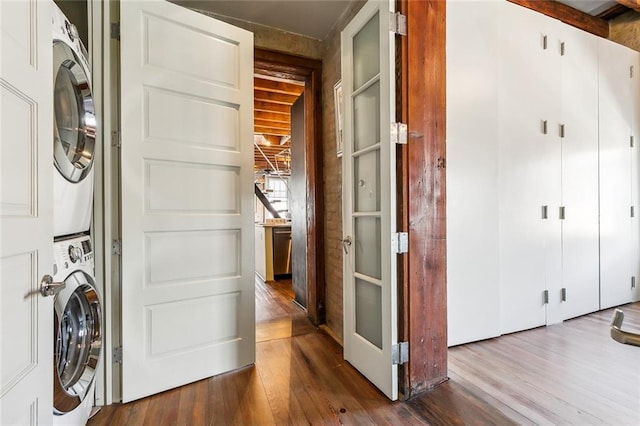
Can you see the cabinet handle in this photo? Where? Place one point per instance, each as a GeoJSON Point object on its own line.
{"type": "Point", "coordinates": [543, 127]}
{"type": "Point", "coordinates": [544, 42]}
{"type": "Point", "coordinates": [545, 212]}
{"type": "Point", "coordinates": [562, 130]}
{"type": "Point", "coordinates": [563, 294]}
{"type": "Point", "coordinates": [562, 48]}
{"type": "Point", "coordinates": [562, 215]}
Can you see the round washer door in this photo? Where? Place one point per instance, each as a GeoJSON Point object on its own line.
{"type": "Point", "coordinates": [74, 129]}
{"type": "Point", "coordinates": [78, 340]}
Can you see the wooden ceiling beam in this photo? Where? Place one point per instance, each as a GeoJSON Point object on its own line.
{"type": "Point", "coordinates": [272, 116]}
{"type": "Point", "coordinates": [568, 15]}
{"type": "Point", "coordinates": [277, 86]}
{"type": "Point", "coordinates": [631, 4]}
{"type": "Point", "coordinates": [271, 107]}
{"type": "Point", "coordinates": [279, 98]}
{"type": "Point", "coordinates": [272, 124]}
{"type": "Point", "coordinates": [270, 131]}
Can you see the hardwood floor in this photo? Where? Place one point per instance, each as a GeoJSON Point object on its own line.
{"type": "Point", "coordinates": [567, 373]}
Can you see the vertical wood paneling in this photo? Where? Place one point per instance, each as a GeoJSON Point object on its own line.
{"type": "Point", "coordinates": [426, 116]}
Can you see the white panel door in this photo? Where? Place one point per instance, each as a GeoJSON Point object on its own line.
{"type": "Point", "coordinates": [187, 197]}
{"type": "Point", "coordinates": [26, 215]}
{"type": "Point", "coordinates": [529, 166]}
{"type": "Point", "coordinates": [579, 116]}
{"type": "Point", "coordinates": [473, 284]}
{"type": "Point", "coordinates": [369, 215]}
{"type": "Point", "coordinates": [616, 117]}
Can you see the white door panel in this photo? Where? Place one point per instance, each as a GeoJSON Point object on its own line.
{"type": "Point", "coordinates": [473, 284]}
{"type": "Point", "coordinates": [187, 197]}
{"type": "Point", "coordinates": [635, 174]}
{"type": "Point", "coordinates": [615, 108]}
{"type": "Point", "coordinates": [529, 167]}
{"type": "Point", "coordinates": [26, 227]}
{"type": "Point", "coordinates": [579, 97]}
{"type": "Point", "coordinates": [369, 219]}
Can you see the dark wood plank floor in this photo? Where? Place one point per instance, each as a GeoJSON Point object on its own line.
{"type": "Point", "coordinates": [568, 373]}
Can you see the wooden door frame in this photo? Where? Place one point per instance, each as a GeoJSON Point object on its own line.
{"type": "Point", "coordinates": [422, 195]}
{"type": "Point", "coordinates": [309, 71]}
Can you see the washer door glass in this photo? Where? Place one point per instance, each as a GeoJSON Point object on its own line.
{"type": "Point", "coordinates": [78, 342]}
{"type": "Point", "coordinates": [74, 130]}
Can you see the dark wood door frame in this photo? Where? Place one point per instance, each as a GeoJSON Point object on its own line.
{"type": "Point", "coordinates": [309, 71]}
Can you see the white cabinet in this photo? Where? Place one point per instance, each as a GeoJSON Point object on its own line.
{"type": "Point", "coordinates": [531, 168]}
{"type": "Point", "coordinates": [618, 93]}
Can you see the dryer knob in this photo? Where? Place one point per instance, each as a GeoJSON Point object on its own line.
{"type": "Point", "coordinates": [75, 253]}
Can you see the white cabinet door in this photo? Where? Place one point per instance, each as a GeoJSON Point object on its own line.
{"type": "Point", "coordinates": [616, 118]}
{"type": "Point", "coordinates": [579, 140]}
{"type": "Point", "coordinates": [635, 175]}
{"type": "Point", "coordinates": [26, 215]}
{"type": "Point", "coordinates": [187, 197]}
{"type": "Point", "coordinates": [369, 209]}
{"type": "Point", "coordinates": [529, 167]}
{"type": "Point", "coordinates": [473, 286]}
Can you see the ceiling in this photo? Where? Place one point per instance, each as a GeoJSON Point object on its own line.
{"type": "Point", "coordinates": [311, 18]}
{"type": "Point", "coordinates": [592, 7]}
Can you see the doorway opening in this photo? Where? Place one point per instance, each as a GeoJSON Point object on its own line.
{"type": "Point", "coordinates": [288, 202]}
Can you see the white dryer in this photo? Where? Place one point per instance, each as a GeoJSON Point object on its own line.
{"type": "Point", "coordinates": [78, 331]}
{"type": "Point", "coordinates": [74, 130]}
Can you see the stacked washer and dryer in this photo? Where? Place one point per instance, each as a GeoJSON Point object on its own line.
{"type": "Point", "coordinates": [77, 308]}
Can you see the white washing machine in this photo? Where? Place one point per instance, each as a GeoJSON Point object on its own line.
{"type": "Point", "coordinates": [78, 331]}
{"type": "Point", "coordinates": [74, 130]}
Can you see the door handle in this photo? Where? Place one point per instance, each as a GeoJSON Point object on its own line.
{"type": "Point", "coordinates": [49, 288]}
{"type": "Point", "coordinates": [346, 243]}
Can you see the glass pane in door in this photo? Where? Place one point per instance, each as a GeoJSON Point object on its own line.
{"type": "Point", "coordinates": [366, 118]}
{"type": "Point", "coordinates": [366, 185]}
{"type": "Point", "coordinates": [369, 311]}
{"type": "Point", "coordinates": [366, 53]}
{"type": "Point", "coordinates": [367, 246]}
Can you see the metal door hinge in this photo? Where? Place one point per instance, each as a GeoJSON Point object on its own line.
{"type": "Point", "coordinates": [633, 282]}
{"type": "Point", "coordinates": [398, 23]}
{"type": "Point", "coordinates": [400, 353]}
{"type": "Point", "coordinates": [399, 133]}
{"type": "Point", "coordinates": [545, 297]}
{"type": "Point", "coordinates": [563, 294]}
{"type": "Point", "coordinates": [116, 248]}
{"type": "Point", "coordinates": [400, 242]}
{"type": "Point", "coordinates": [117, 355]}
{"type": "Point", "coordinates": [116, 141]}
{"type": "Point", "coordinates": [115, 30]}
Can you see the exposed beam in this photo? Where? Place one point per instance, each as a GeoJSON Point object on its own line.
{"type": "Point", "coordinates": [270, 131]}
{"type": "Point", "coordinates": [272, 116]}
{"type": "Point", "coordinates": [568, 15]}
{"type": "Point", "coordinates": [272, 124]}
{"type": "Point", "coordinates": [280, 98]}
{"type": "Point", "coordinates": [613, 12]}
{"type": "Point", "coordinates": [631, 4]}
{"type": "Point", "coordinates": [277, 86]}
{"type": "Point", "coordinates": [267, 106]}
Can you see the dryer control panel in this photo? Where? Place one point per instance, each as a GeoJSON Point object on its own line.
{"type": "Point", "coordinates": [72, 253]}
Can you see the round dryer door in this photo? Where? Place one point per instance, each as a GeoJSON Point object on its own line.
{"type": "Point", "coordinates": [78, 340]}
{"type": "Point", "coordinates": [74, 130]}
